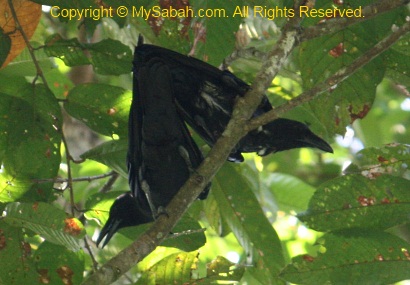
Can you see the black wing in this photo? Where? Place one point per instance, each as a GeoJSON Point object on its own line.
{"type": "Point", "coordinates": [161, 153]}
{"type": "Point", "coordinates": [205, 96]}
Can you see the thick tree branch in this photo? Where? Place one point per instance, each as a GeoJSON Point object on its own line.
{"type": "Point", "coordinates": [243, 110]}
{"type": "Point", "coordinates": [333, 80]}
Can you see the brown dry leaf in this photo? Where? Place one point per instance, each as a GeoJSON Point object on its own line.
{"type": "Point", "coordinates": [28, 14]}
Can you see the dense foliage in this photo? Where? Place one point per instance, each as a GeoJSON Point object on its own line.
{"type": "Point", "coordinates": [299, 216]}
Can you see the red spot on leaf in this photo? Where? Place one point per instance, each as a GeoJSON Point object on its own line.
{"type": "Point", "coordinates": [360, 115]}
{"type": "Point", "coordinates": [25, 246]}
{"type": "Point", "coordinates": [35, 206]}
{"type": "Point", "coordinates": [3, 241]}
{"type": "Point", "coordinates": [44, 278]}
{"type": "Point", "coordinates": [379, 257]}
{"type": "Point", "coordinates": [48, 153]}
{"type": "Point", "coordinates": [66, 275]}
{"type": "Point", "coordinates": [366, 201]}
{"type": "Point", "coordinates": [385, 201]}
{"type": "Point", "coordinates": [71, 227]}
{"type": "Point", "coordinates": [111, 111]}
{"type": "Point", "coordinates": [337, 50]}
{"type": "Point", "coordinates": [381, 159]}
{"type": "Point", "coordinates": [308, 258]}
{"type": "Point", "coordinates": [338, 2]}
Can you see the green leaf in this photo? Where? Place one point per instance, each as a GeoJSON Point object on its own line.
{"type": "Point", "coordinates": [70, 51]}
{"type": "Point", "coordinates": [30, 141]}
{"type": "Point", "coordinates": [353, 257]}
{"type": "Point", "coordinates": [393, 159]}
{"type": "Point", "coordinates": [213, 51]}
{"type": "Point", "coordinates": [109, 57]}
{"type": "Point", "coordinates": [285, 188]}
{"type": "Point", "coordinates": [17, 266]}
{"type": "Point", "coordinates": [174, 269]}
{"type": "Point", "coordinates": [47, 221]}
{"type": "Point", "coordinates": [57, 265]}
{"type": "Point", "coordinates": [4, 47]}
{"type": "Point", "coordinates": [104, 108]}
{"type": "Point", "coordinates": [112, 153]}
{"type": "Point", "coordinates": [221, 269]}
{"type": "Point", "coordinates": [23, 65]}
{"type": "Point", "coordinates": [354, 201]}
{"type": "Point", "coordinates": [242, 212]}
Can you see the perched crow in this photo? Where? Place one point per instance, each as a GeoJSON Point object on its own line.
{"type": "Point", "coordinates": [161, 153]}
{"type": "Point", "coordinates": [205, 97]}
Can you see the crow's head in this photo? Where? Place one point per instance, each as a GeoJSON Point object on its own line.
{"type": "Point", "coordinates": [124, 212]}
{"type": "Point", "coordinates": [285, 134]}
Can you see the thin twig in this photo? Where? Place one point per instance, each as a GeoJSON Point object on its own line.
{"type": "Point", "coordinates": [69, 176]}
{"type": "Point", "coordinates": [79, 179]}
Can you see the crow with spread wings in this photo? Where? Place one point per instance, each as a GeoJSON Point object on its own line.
{"type": "Point", "coordinates": [170, 88]}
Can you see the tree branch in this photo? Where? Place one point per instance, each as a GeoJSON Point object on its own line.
{"type": "Point", "coordinates": [243, 110]}
{"type": "Point", "coordinates": [333, 80]}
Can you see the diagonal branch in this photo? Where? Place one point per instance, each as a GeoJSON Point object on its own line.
{"type": "Point", "coordinates": [243, 110]}
{"type": "Point", "coordinates": [333, 80]}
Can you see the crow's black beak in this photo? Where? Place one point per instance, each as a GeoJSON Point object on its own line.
{"type": "Point", "coordinates": [314, 141]}
{"type": "Point", "coordinates": [107, 232]}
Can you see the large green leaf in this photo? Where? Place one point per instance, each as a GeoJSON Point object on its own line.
{"type": "Point", "coordinates": [370, 257]}
{"type": "Point", "coordinates": [104, 108]}
{"type": "Point", "coordinates": [242, 212]}
{"type": "Point", "coordinates": [354, 201]}
{"type": "Point", "coordinates": [30, 140]}
{"type": "Point", "coordinates": [47, 221]}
